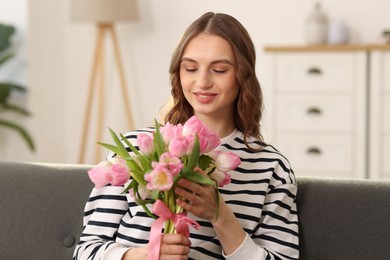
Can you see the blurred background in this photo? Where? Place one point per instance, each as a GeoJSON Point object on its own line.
{"type": "Point", "coordinates": [54, 56]}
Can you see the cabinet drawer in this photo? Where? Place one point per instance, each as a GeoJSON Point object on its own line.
{"type": "Point", "coordinates": [314, 113]}
{"type": "Point", "coordinates": [386, 113]}
{"type": "Point", "coordinates": [386, 72]}
{"type": "Point", "coordinates": [386, 154]}
{"type": "Point", "coordinates": [315, 71]}
{"type": "Point", "coordinates": [317, 153]}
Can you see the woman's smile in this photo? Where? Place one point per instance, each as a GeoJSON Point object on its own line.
{"type": "Point", "coordinates": [204, 98]}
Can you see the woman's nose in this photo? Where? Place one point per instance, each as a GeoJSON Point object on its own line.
{"type": "Point", "coordinates": [204, 80]}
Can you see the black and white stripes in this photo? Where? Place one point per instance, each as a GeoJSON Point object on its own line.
{"type": "Point", "coordinates": [262, 195]}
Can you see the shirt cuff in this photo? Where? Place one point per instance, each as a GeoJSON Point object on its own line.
{"type": "Point", "coordinates": [247, 250]}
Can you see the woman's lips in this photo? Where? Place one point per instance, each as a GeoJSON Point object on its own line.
{"type": "Point", "coordinates": [204, 98]}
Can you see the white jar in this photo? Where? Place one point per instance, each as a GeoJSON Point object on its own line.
{"type": "Point", "coordinates": [337, 32]}
{"type": "Point", "coordinates": [316, 26]}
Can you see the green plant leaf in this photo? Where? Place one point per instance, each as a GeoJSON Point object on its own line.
{"type": "Point", "coordinates": [197, 177]}
{"type": "Point", "coordinates": [5, 57]}
{"type": "Point", "coordinates": [14, 108]}
{"type": "Point", "coordinates": [25, 135]}
{"type": "Point", "coordinates": [6, 32]}
{"type": "Point", "coordinates": [6, 88]}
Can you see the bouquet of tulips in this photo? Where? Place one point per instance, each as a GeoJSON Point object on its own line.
{"type": "Point", "coordinates": [162, 158]}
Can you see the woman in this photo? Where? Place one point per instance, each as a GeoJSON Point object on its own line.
{"type": "Point", "coordinates": [213, 77]}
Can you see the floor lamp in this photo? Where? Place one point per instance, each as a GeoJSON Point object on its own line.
{"type": "Point", "coordinates": [103, 13]}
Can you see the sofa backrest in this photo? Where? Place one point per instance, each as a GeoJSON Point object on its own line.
{"type": "Point", "coordinates": [41, 209]}
{"type": "Point", "coordinates": [344, 219]}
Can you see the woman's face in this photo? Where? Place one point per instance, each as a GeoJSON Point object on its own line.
{"type": "Point", "coordinates": [208, 77]}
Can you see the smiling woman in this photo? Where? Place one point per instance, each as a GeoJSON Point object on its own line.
{"type": "Point", "coordinates": [208, 78]}
{"type": "Point", "coordinates": [255, 215]}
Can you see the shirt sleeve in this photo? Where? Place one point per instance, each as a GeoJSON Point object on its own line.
{"type": "Point", "coordinates": [277, 236]}
{"type": "Point", "coordinates": [103, 212]}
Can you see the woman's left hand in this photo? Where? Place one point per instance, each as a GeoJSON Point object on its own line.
{"type": "Point", "coordinates": [198, 199]}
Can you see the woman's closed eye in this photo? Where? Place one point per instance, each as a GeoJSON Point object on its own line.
{"type": "Point", "coordinates": [219, 71]}
{"type": "Point", "coordinates": [191, 69]}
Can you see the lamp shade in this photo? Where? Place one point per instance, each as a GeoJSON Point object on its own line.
{"type": "Point", "coordinates": [103, 11]}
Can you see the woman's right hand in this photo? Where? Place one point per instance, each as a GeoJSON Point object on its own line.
{"type": "Point", "coordinates": [173, 246]}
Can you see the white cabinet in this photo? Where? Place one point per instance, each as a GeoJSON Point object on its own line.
{"type": "Point", "coordinates": [380, 112]}
{"type": "Point", "coordinates": [318, 114]}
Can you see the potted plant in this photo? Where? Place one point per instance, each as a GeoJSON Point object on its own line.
{"type": "Point", "coordinates": [6, 88]}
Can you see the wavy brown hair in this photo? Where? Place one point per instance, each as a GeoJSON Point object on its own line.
{"type": "Point", "coordinates": [249, 102]}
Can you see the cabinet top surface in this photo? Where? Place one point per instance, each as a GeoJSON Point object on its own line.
{"type": "Point", "coordinates": [346, 47]}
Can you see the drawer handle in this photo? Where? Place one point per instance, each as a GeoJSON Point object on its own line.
{"type": "Point", "coordinates": [314, 151]}
{"type": "Point", "coordinates": [315, 111]}
{"type": "Point", "coordinates": [314, 71]}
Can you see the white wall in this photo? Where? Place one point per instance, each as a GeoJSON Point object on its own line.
{"type": "Point", "coordinates": [60, 57]}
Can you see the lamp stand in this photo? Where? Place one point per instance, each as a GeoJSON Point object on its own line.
{"type": "Point", "coordinates": [97, 76]}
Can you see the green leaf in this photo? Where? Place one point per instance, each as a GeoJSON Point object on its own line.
{"type": "Point", "coordinates": [155, 194]}
{"type": "Point", "coordinates": [122, 152]}
{"type": "Point", "coordinates": [142, 202]}
{"type": "Point", "coordinates": [135, 150]}
{"type": "Point", "coordinates": [144, 161]}
{"type": "Point", "coordinates": [5, 57]}
{"type": "Point", "coordinates": [15, 108]}
{"type": "Point", "coordinates": [25, 135]}
{"type": "Point", "coordinates": [218, 200]}
{"type": "Point", "coordinates": [158, 140]}
{"type": "Point", "coordinates": [6, 88]}
{"type": "Point", "coordinates": [197, 177]}
{"type": "Point", "coordinates": [194, 157]}
{"type": "Point", "coordinates": [204, 161]}
{"type": "Point", "coordinates": [110, 147]}
{"type": "Point", "coordinates": [6, 32]}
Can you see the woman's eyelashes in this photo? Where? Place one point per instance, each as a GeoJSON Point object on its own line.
{"type": "Point", "coordinates": [191, 69]}
{"type": "Point", "coordinates": [218, 71]}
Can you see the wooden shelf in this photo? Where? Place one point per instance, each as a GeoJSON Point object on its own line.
{"type": "Point", "coordinates": [308, 48]}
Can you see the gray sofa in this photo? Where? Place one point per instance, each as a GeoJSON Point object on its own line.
{"type": "Point", "coordinates": [41, 209]}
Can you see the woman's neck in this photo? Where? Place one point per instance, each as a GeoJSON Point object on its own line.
{"type": "Point", "coordinates": [221, 126]}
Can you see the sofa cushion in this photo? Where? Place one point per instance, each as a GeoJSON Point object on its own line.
{"type": "Point", "coordinates": [41, 209]}
{"type": "Point", "coordinates": [344, 219]}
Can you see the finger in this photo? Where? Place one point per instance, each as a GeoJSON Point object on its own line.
{"type": "Point", "coordinates": [174, 244]}
{"type": "Point", "coordinates": [175, 239]}
{"type": "Point", "coordinates": [187, 195]}
{"type": "Point", "coordinates": [191, 186]}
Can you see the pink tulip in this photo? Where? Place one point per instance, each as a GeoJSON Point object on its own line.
{"type": "Point", "coordinates": [119, 174]}
{"type": "Point", "coordinates": [178, 146]}
{"type": "Point", "coordinates": [98, 174]}
{"type": "Point", "coordinates": [114, 172]}
{"type": "Point", "coordinates": [192, 126]}
{"type": "Point", "coordinates": [171, 162]}
{"type": "Point", "coordinates": [222, 178]}
{"type": "Point", "coordinates": [145, 143]}
{"type": "Point", "coordinates": [209, 140]}
{"type": "Point", "coordinates": [159, 178]}
{"type": "Point", "coordinates": [225, 161]}
{"type": "Point", "coordinates": [170, 132]}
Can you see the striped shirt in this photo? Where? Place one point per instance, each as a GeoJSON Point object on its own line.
{"type": "Point", "coordinates": [262, 195]}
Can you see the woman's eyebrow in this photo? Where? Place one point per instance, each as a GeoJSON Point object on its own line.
{"type": "Point", "coordinates": [226, 61]}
